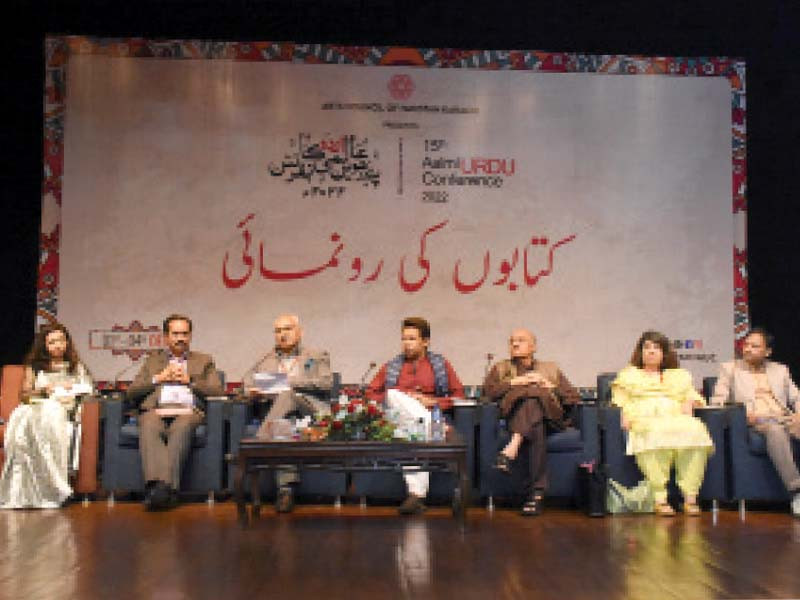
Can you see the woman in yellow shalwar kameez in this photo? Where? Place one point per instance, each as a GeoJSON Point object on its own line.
{"type": "Point", "coordinates": [657, 399]}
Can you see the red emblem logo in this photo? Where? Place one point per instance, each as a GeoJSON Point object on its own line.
{"type": "Point", "coordinates": [401, 86]}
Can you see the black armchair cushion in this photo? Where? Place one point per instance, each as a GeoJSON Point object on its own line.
{"type": "Point", "coordinates": [569, 440]}
{"type": "Point", "coordinates": [129, 435]}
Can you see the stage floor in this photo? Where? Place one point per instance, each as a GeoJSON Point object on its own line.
{"type": "Point", "coordinates": [199, 551]}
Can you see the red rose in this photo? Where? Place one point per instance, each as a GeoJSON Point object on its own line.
{"type": "Point", "coordinates": [335, 407]}
{"type": "Point", "coordinates": [372, 410]}
{"type": "Point", "coordinates": [337, 424]}
{"type": "Point", "coordinates": [351, 408]}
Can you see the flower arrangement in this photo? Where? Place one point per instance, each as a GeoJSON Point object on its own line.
{"type": "Point", "coordinates": [356, 419]}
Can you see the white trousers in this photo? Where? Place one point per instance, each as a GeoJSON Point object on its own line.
{"type": "Point", "coordinates": [417, 483]}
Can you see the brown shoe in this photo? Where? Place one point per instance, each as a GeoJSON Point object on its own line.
{"type": "Point", "coordinates": [412, 505]}
{"type": "Point", "coordinates": [284, 502]}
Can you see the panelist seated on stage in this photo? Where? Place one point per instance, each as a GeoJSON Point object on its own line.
{"type": "Point", "coordinates": [425, 376]}
{"type": "Point", "coordinates": [657, 401]}
{"type": "Point", "coordinates": [43, 433]}
{"type": "Point", "coordinates": [297, 379]}
{"type": "Point", "coordinates": [770, 398]}
{"type": "Point", "coordinates": [532, 395]}
{"type": "Point", "coordinates": [170, 391]}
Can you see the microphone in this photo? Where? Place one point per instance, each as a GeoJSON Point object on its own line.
{"type": "Point", "coordinates": [372, 365]}
{"type": "Point", "coordinates": [489, 359]}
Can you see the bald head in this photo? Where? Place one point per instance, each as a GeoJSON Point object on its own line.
{"type": "Point", "coordinates": [287, 332]}
{"type": "Point", "coordinates": [522, 343]}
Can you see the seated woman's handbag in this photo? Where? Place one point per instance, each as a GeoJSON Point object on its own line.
{"type": "Point", "coordinates": [621, 499]}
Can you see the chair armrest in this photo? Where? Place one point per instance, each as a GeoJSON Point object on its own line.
{"type": "Point", "coordinates": [586, 419]}
{"type": "Point", "coordinates": [90, 443]}
{"type": "Point", "coordinates": [10, 389]}
{"type": "Point", "coordinates": [609, 419]}
{"type": "Point", "coordinates": [604, 381]}
{"type": "Point", "coordinates": [236, 413]}
{"type": "Point", "coordinates": [716, 419]}
{"type": "Point", "coordinates": [215, 413]}
{"type": "Point", "coordinates": [215, 418]}
{"type": "Point", "coordinates": [112, 408]}
{"type": "Point", "coordinates": [737, 420]}
{"type": "Point", "coordinates": [218, 399]}
{"type": "Point", "coordinates": [715, 483]}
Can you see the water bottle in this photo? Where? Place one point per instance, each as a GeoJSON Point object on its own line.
{"type": "Point", "coordinates": [420, 435]}
{"type": "Point", "coordinates": [437, 424]}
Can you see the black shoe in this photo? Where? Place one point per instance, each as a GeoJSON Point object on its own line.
{"type": "Point", "coordinates": [172, 498]}
{"type": "Point", "coordinates": [284, 502]}
{"type": "Point", "coordinates": [154, 495]}
{"type": "Point", "coordinates": [412, 505]}
{"type": "Point", "coordinates": [147, 501]}
{"type": "Point", "coordinates": [532, 507]}
{"type": "Point", "coordinates": [157, 495]}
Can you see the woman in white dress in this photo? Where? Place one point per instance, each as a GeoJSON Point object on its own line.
{"type": "Point", "coordinates": [42, 435]}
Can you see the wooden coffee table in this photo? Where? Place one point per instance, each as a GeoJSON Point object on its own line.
{"type": "Point", "coordinates": [257, 456]}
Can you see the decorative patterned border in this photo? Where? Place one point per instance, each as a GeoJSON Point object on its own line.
{"type": "Point", "coordinates": [59, 49]}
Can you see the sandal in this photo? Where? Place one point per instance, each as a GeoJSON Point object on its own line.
{"type": "Point", "coordinates": [502, 463]}
{"type": "Point", "coordinates": [691, 509]}
{"type": "Point", "coordinates": [532, 507]}
{"type": "Point", "coordinates": [663, 509]}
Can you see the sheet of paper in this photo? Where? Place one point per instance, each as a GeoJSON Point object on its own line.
{"type": "Point", "coordinates": [271, 383]}
{"type": "Point", "coordinates": [406, 413]}
{"type": "Point", "coordinates": [174, 396]}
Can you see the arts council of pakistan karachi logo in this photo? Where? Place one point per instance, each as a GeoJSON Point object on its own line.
{"type": "Point", "coordinates": [401, 86]}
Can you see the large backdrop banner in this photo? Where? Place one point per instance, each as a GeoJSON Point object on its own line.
{"type": "Point", "coordinates": [586, 198]}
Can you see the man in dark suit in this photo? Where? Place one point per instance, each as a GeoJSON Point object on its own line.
{"type": "Point", "coordinates": [165, 432]}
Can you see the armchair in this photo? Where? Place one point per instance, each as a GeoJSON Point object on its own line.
{"type": "Point", "coordinates": [122, 463]}
{"type": "Point", "coordinates": [565, 451]}
{"type": "Point", "coordinates": [622, 467]}
{"type": "Point", "coordinates": [753, 476]}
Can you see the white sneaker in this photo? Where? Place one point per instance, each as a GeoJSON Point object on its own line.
{"type": "Point", "coordinates": [796, 505]}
